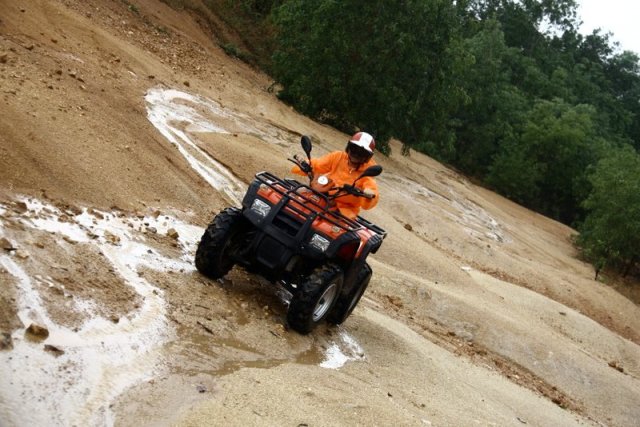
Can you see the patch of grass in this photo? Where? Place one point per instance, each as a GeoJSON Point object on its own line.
{"type": "Point", "coordinates": [174, 4]}
{"type": "Point", "coordinates": [162, 30]}
{"type": "Point", "coordinates": [132, 7]}
{"type": "Point", "coordinates": [232, 50]}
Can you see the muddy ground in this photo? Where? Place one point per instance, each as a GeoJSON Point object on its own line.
{"type": "Point", "coordinates": [124, 128]}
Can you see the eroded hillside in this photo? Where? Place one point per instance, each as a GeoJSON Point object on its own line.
{"type": "Point", "coordinates": [125, 129]}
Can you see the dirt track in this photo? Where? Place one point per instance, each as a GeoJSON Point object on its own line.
{"type": "Point", "coordinates": [123, 130]}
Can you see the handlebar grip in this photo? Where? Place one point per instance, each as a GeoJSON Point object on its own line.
{"type": "Point", "coordinates": [357, 192]}
{"type": "Point", "coordinates": [303, 165]}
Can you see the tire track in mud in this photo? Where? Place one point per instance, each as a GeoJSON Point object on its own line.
{"type": "Point", "coordinates": [176, 114]}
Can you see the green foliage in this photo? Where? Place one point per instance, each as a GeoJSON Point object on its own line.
{"type": "Point", "coordinates": [176, 4]}
{"type": "Point", "coordinates": [233, 50]}
{"type": "Point", "coordinates": [495, 106]}
{"type": "Point", "coordinates": [505, 90]}
{"type": "Point", "coordinates": [132, 7]}
{"type": "Point", "coordinates": [610, 235]}
{"type": "Point", "coordinates": [623, 71]}
{"type": "Point", "coordinates": [388, 67]}
{"type": "Point", "coordinates": [258, 8]}
{"type": "Point", "coordinates": [545, 167]}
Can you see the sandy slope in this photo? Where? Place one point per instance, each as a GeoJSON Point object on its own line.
{"type": "Point", "coordinates": [122, 130]}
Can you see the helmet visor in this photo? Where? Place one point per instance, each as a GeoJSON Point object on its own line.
{"type": "Point", "coordinates": [357, 153]}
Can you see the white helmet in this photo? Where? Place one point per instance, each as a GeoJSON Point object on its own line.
{"type": "Point", "coordinates": [364, 140]}
{"type": "Point", "coordinates": [360, 147]}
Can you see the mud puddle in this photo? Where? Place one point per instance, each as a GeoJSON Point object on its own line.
{"type": "Point", "coordinates": [177, 115]}
{"type": "Point", "coordinates": [94, 361]}
{"type": "Point", "coordinates": [74, 375]}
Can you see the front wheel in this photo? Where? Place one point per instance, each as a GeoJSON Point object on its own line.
{"type": "Point", "coordinates": [315, 298]}
{"type": "Point", "coordinates": [220, 241]}
{"type": "Point", "coordinates": [346, 303]}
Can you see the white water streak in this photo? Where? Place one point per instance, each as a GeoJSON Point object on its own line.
{"type": "Point", "coordinates": [338, 354]}
{"type": "Point", "coordinates": [167, 110]}
{"type": "Point", "coordinates": [102, 358]}
{"type": "Point", "coordinates": [474, 219]}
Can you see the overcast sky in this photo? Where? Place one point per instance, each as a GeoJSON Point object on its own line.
{"type": "Point", "coordinates": [620, 17]}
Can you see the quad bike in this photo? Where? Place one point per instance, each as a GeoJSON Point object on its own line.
{"type": "Point", "coordinates": [289, 233]}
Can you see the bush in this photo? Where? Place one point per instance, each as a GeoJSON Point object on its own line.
{"type": "Point", "coordinates": [610, 234]}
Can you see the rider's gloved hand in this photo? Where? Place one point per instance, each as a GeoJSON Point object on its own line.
{"type": "Point", "coordinates": [349, 188]}
{"type": "Point", "coordinates": [304, 165]}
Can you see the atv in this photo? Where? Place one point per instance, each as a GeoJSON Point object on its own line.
{"type": "Point", "coordinates": [290, 234]}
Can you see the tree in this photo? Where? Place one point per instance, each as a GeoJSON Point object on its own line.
{"type": "Point", "coordinates": [623, 71]}
{"type": "Point", "coordinates": [525, 22]}
{"type": "Point", "coordinates": [506, 90]}
{"type": "Point", "coordinates": [610, 234]}
{"type": "Point", "coordinates": [545, 167]}
{"type": "Point", "coordinates": [496, 107]}
{"type": "Point", "coordinates": [384, 66]}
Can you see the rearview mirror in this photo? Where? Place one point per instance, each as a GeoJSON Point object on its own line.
{"type": "Point", "coordinates": [374, 170]}
{"type": "Point", "coordinates": [305, 141]}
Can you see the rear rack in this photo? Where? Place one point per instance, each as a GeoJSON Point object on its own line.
{"type": "Point", "coordinates": [296, 201]}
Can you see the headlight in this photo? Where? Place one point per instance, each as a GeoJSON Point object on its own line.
{"type": "Point", "coordinates": [319, 242]}
{"type": "Point", "coordinates": [260, 207]}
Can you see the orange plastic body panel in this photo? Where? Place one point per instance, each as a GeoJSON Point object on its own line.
{"type": "Point", "coordinates": [304, 208]}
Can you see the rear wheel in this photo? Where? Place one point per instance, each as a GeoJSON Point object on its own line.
{"type": "Point", "coordinates": [315, 298]}
{"type": "Point", "coordinates": [346, 303]}
{"type": "Point", "coordinates": [221, 239]}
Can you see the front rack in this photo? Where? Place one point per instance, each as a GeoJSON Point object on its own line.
{"type": "Point", "coordinates": [297, 200]}
{"type": "Point", "coordinates": [371, 226]}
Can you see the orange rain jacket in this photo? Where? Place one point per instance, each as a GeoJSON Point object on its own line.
{"type": "Point", "coordinates": [336, 167]}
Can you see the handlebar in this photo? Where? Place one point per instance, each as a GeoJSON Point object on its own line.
{"type": "Point", "coordinates": [303, 165]}
{"type": "Point", "coordinates": [337, 191]}
{"type": "Point", "coordinates": [350, 189]}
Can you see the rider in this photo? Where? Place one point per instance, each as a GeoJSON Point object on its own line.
{"type": "Point", "coordinates": [344, 167]}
